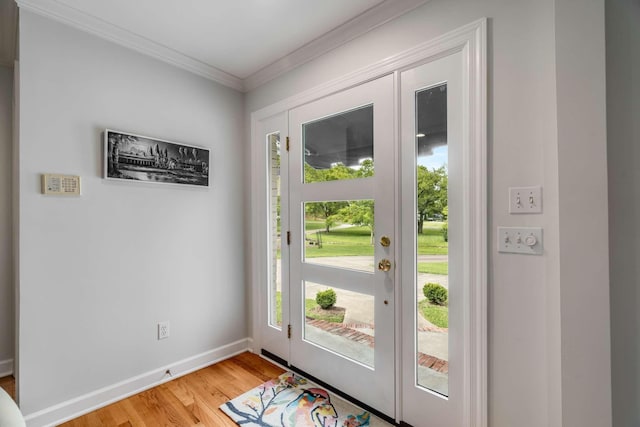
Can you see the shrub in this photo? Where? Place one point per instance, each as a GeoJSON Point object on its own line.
{"type": "Point", "coordinates": [445, 231]}
{"type": "Point", "coordinates": [326, 299]}
{"type": "Point", "coordinates": [435, 293]}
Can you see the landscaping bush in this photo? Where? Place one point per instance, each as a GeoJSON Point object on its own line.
{"type": "Point", "coordinates": [326, 299]}
{"type": "Point", "coordinates": [435, 293]}
{"type": "Point", "coordinates": [445, 231]}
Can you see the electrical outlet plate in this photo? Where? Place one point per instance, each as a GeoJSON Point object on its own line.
{"type": "Point", "coordinates": [163, 330]}
{"type": "Point", "coordinates": [525, 200]}
{"type": "Point", "coordinates": [520, 240]}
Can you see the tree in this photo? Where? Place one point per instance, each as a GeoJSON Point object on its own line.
{"type": "Point", "coordinates": [325, 210]}
{"type": "Point", "coordinates": [360, 212]}
{"type": "Point", "coordinates": [356, 212]}
{"type": "Point", "coordinates": [432, 193]}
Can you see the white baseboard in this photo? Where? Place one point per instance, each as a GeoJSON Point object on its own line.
{"type": "Point", "coordinates": [89, 402]}
{"type": "Point", "coordinates": [6, 367]}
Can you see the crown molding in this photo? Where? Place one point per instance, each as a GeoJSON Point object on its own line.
{"type": "Point", "coordinates": [90, 24]}
{"type": "Point", "coordinates": [356, 27]}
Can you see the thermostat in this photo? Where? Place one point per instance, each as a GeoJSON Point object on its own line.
{"type": "Point", "coordinates": [65, 185]}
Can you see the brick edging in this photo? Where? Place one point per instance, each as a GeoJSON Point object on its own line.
{"type": "Point", "coordinates": [424, 360]}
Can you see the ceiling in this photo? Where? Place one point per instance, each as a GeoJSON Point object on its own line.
{"type": "Point", "coordinates": [241, 44]}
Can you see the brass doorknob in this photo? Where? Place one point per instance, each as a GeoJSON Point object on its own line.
{"type": "Point", "coordinates": [384, 265]}
{"type": "Point", "coordinates": [385, 241]}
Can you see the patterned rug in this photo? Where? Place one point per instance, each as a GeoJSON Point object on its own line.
{"type": "Point", "coordinates": [292, 401]}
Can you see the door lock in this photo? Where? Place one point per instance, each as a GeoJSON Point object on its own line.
{"type": "Point", "coordinates": [384, 265]}
{"type": "Point", "coordinates": [385, 241]}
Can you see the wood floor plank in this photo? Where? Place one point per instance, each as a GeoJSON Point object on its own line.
{"type": "Point", "coordinates": [8, 383]}
{"type": "Point", "coordinates": [191, 400]}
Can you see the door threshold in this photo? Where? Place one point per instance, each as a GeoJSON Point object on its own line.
{"type": "Point", "coordinates": [332, 389]}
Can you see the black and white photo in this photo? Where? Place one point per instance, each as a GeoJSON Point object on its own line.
{"type": "Point", "coordinates": [141, 158]}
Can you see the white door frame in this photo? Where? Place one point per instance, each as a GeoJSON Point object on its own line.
{"type": "Point", "coordinates": [471, 40]}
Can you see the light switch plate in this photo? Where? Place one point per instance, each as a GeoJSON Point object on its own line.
{"type": "Point", "coordinates": [525, 200]}
{"type": "Point", "coordinates": [520, 240]}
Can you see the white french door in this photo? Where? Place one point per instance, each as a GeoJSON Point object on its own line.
{"type": "Point", "coordinates": [341, 164]}
{"type": "Point", "coordinates": [389, 174]}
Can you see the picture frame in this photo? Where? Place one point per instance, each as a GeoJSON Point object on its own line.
{"type": "Point", "coordinates": [138, 158]}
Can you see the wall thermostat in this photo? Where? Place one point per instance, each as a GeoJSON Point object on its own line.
{"type": "Point", "coordinates": [65, 185]}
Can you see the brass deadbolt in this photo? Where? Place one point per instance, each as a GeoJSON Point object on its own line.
{"type": "Point", "coordinates": [384, 265]}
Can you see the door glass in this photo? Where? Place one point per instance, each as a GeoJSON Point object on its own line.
{"type": "Point", "coordinates": [349, 331]}
{"type": "Point", "coordinates": [339, 234]}
{"type": "Point", "coordinates": [432, 311]}
{"type": "Point", "coordinates": [339, 147]}
{"type": "Point", "coordinates": [275, 285]}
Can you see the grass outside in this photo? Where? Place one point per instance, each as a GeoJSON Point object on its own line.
{"type": "Point", "coordinates": [436, 314]}
{"type": "Point", "coordinates": [431, 241]}
{"type": "Point", "coordinates": [351, 241]}
{"type": "Point", "coordinates": [312, 310]}
{"type": "Point", "coordinates": [354, 241]}
{"type": "Point", "coordinates": [313, 224]}
{"type": "Point", "coordinates": [433, 267]}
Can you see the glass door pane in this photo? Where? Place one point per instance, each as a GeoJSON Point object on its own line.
{"type": "Point", "coordinates": [275, 260]}
{"type": "Point", "coordinates": [340, 321]}
{"type": "Point", "coordinates": [339, 147]}
{"type": "Point", "coordinates": [340, 234]}
{"type": "Point", "coordinates": [432, 263]}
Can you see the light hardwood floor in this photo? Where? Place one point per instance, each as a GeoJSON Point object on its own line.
{"type": "Point", "coordinates": [192, 400]}
{"type": "Point", "coordinates": [9, 385]}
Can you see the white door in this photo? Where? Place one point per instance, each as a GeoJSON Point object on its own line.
{"type": "Point", "coordinates": [433, 329]}
{"type": "Point", "coordinates": [341, 179]}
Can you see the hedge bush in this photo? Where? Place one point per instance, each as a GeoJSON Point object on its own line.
{"type": "Point", "coordinates": [435, 293]}
{"type": "Point", "coordinates": [326, 299]}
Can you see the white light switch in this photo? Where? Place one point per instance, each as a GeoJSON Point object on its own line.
{"type": "Point", "coordinates": [520, 240]}
{"type": "Point", "coordinates": [523, 200]}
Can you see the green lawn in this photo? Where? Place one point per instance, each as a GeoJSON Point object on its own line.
{"type": "Point", "coordinates": [313, 224]}
{"type": "Point", "coordinates": [279, 308]}
{"type": "Point", "coordinates": [355, 241]}
{"type": "Point", "coordinates": [310, 309]}
{"type": "Point", "coordinates": [342, 242]}
{"type": "Point", "coordinates": [436, 314]}
{"type": "Point", "coordinates": [313, 311]}
{"type": "Point", "coordinates": [433, 267]}
{"type": "Point", "coordinates": [431, 241]}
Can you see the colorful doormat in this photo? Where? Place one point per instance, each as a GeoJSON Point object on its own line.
{"type": "Point", "coordinates": [293, 401]}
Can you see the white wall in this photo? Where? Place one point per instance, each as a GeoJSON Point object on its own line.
{"type": "Point", "coordinates": [6, 258]}
{"type": "Point", "coordinates": [99, 271]}
{"type": "Point", "coordinates": [584, 250]}
{"type": "Point", "coordinates": [525, 329]}
{"type": "Point", "coordinates": [623, 132]}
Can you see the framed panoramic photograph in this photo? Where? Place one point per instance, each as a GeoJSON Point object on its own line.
{"type": "Point", "coordinates": [132, 157]}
